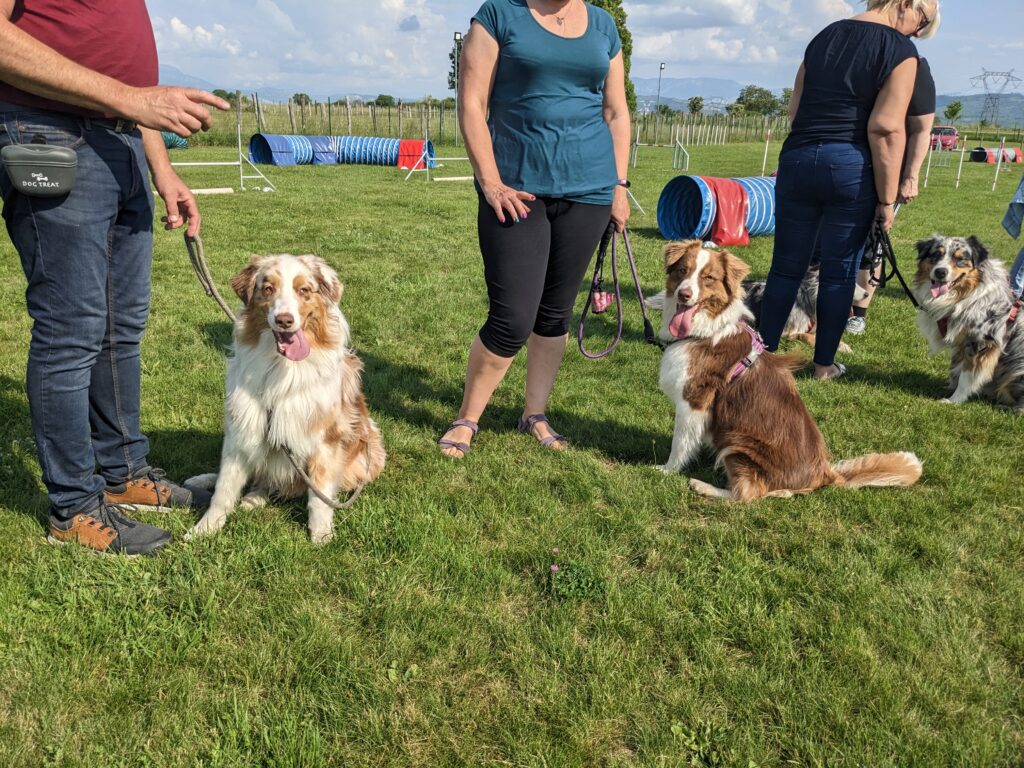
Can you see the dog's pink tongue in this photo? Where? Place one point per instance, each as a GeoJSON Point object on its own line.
{"type": "Point", "coordinates": [939, 289]}
{"type": "Point", "coordinates": [682, 322]}
{"type": "Point", "coordinates": [293, 345]}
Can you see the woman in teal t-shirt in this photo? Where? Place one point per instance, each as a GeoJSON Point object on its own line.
{"type": "Point", "coordinates": [542, 104]}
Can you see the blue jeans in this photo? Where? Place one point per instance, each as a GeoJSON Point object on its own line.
{"type": "Point", "coordinates": [87, 259]}
{"type": "Point", "coordinates": [1017, 274]}
{"type": "Point", "coordinates": [824, 192]}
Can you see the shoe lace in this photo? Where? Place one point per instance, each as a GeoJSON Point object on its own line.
{"type": "Point", "coordinates": [113, 516]}
{"type": "Point", "coordinates": [157, 477]}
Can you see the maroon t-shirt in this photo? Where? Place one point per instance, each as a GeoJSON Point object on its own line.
{"type": "Point", "coordinates": [112, 37]}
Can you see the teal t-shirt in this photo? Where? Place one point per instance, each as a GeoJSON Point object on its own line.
{"type": "Point", "coordinates": [547, 104]}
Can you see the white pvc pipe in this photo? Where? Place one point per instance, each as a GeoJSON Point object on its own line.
{"type": "Point", "coordinates": [963, 151]}
{"type": "Point", "coordinates": [999, 162]}
{"type": "Point", "coordinates": [928, 170]}
{"type": "Point", "coordinates": [764, 162]}
{"type": "Point", "coordinates": [182, 165]}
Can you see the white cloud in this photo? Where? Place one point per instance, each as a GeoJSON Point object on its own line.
{"type": "Point", "coordinates": [178, 37]}
{"type": "Point", "coordinates": [321, 48]}
{"type": "Point", "coordinates": [401, 46]}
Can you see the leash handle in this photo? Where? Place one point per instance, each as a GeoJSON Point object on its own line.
{"type": "Point", "coordinates": [649, 335]}
{"type": "Point", "coordinates": [602, 250]}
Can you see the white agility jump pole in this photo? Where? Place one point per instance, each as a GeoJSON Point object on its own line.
{"type": "Point", "coordinates": [764, 162]}
{"type": "Point", "coordinates": [963, 151]}
{"type": "Point", "coordinates": [999, 162]}
{"type": "Point", "coordinates": [240, 163]}
{"type": "Point", "coordinates": [928, 169]}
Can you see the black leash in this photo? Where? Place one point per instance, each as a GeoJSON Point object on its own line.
{"type": "Point", "coordinates": [598, 299]}
{"type": "Point", "coordinates": [882, 252]}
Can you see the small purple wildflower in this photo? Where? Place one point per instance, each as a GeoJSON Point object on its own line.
{"type": "Point", "coordinates": [555, 550]}
{"type": "Point", "coordinates": [554, 568]}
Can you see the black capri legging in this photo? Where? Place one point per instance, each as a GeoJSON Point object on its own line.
{"type": "Point", "coordinates": [534, 268]}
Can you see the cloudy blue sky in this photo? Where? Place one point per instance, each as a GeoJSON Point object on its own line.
{"type": "Point", "coordinates": [400, 46]}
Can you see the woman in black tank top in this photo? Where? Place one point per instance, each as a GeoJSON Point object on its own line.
{"type": "Point", "coordinates": [839, 169]}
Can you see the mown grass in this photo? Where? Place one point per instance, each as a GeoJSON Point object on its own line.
{"type": "Point", "coordinates": [874, 628]}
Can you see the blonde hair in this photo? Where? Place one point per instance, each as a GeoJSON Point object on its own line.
{"type": "Point", "coordinates": [886, 6]}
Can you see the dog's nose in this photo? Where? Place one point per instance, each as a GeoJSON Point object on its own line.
{"type": "Point", "coordinates": [941, 273]}
{"type": "Point", "coordinates": [686, 294]}
{"type": "Point", "coordinates": [285, 320]}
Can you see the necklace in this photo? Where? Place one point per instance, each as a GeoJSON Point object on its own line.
{"type": "Point", "coordinates": [561, 19]}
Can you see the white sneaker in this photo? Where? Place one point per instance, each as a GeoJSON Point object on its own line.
{"type": "Point", "coordinates": [856, 325]}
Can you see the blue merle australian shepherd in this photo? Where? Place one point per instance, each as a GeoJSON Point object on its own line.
{"type": "Point", "coordinates": [967, 308]}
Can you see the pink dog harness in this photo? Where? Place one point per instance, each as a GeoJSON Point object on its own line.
{"type": "Point", "coordinates": [756, 348]}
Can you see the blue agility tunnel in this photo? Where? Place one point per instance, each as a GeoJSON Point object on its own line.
{"type": "Point", "coordinates": [275, 149]}
{"type": "Point", "coordinates": [281, 149]}
{"type": "Point", "coordinates": [173, 140]}
{"type": "Point", "coordinates": [367, 150]}
{"type": "Point", "coordinates": [325, 150]}
{"type": "Point", "coordinates": [687, 207]}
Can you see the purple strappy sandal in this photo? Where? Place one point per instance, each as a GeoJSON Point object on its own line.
{"type": "Point", "coordinates": [464, 447]}
{"type": "Point", "coordinates": [526, 426]}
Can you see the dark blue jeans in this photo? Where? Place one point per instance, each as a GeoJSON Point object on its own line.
{"type": "Point", "coordinates": [87, 259]}
{"type": "Point", "coordinates": [824, 192]}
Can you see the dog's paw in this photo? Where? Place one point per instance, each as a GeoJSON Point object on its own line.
{"type": "Point", "coordinates": [254, 500]}
{"type": "Point", "coordinates": [948, 401]}
{"type": "Point", "coordinates": [845, 348]}
{"type": "Point", "coordinates": [706, 489]}
{"type": "Point", "coordinates": [321, 537]}
{"type": "Point", "coordinates": [207, 525]}
{"type": "Point", "coordinates": [667, 469]}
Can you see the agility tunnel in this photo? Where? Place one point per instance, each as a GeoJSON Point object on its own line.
{"type": "Point", "coordinates": [727, 211]}
{"type": "Point", "coordinates": [173, 140]}
{"type": "Point", "coordinates": [991, 154]}
{"type": "Point", "coordinates": [283, 149]}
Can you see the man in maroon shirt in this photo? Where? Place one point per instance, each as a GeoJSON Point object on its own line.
{"type": "Point", "coordinates": [83, 74]}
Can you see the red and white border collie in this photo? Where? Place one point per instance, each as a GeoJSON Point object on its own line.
{"type": "Point", "coordinates": [743, 401]}
{"type": "Point", "coordinates": [292, 385]}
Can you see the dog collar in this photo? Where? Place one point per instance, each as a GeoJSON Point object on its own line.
{"type": "Point", "coordinates": [756, 348]}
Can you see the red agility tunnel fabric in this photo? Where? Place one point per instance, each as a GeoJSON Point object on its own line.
{"type": "Point", "coordinates": [730, 226]}
{"type": "Point", "coordinates": [410, 153]}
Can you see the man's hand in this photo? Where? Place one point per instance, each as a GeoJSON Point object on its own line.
{"type": "Point", "coordinates": [170, 108]}
{"type": "Point", "coordinates": [179, 200]}
{"type": "Point", "coordinates": [908, 190]}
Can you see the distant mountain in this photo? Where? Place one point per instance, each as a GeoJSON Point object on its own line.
{"type": "Point", "coordinates": [171, 75]}
{"type": "Point", "coordinates": [1011, 108]}
{"type": "Point", "coordinates": [682, 88]}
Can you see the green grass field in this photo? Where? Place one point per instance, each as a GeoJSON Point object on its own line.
{"type": "Point", "coordinates": [846, 628]}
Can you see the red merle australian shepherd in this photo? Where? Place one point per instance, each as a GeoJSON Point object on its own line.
{"type": "Point", "coordinates": [740, 400]}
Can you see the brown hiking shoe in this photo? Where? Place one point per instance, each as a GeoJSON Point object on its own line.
{"type": "Point", "coordinates": [105, 529]}
{"type": "Point", "coordinates": [150, 489]}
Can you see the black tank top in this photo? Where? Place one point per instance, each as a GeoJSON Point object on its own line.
{"type": "Point", "coordinates": [845, 66]}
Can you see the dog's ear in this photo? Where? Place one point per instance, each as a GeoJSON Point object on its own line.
{"type": "Point", "coordinates": [735, 270]}
{"type": "Point", "coordinates": [244, 283]}
{"type": "Point", "coordinates": [926, 246]}
{"type": "Point", "coordinates": [675, 251]}
{"type": "Point", "coordinates": [326, 278]}
{"type": "Point", "coordinates": [978, 251]}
